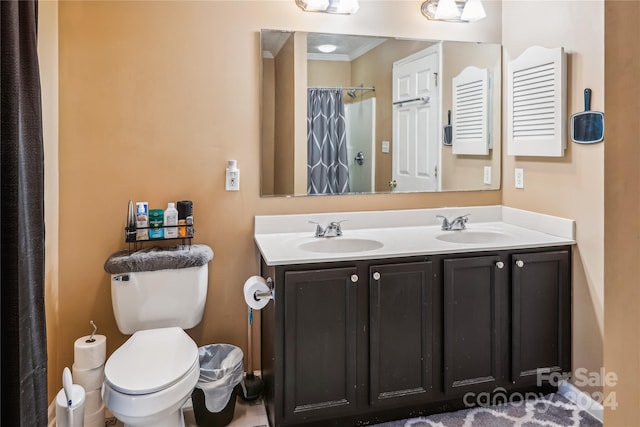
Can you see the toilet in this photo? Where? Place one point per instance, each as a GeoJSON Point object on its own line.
{"type": "Point", "coordinates": [150, 377]}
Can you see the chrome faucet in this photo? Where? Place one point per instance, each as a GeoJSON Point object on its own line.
{"type": "Point", "coordinates": [458, 223]}
{"type": "Point", "coordinates": [331, 230]}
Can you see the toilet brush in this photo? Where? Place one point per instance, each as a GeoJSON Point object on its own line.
{"type": "Point", "coordinates": [251, 384]}
{"type": "Point", "coordinates": [67, 386]}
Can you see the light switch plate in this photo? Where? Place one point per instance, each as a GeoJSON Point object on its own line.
{"type": "Point", "coordinates": [519, 178]}
{"type": "Point", "coordinates": [487, 175]}
{"type": "Point", "coordinates": [385, 146]}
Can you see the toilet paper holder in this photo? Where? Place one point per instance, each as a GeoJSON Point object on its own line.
{"type": "Point", "coordinates": [269, 295]}
{"type": "Point", "coordinates": [95, 329]}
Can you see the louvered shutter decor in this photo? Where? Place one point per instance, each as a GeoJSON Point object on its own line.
{"type": "Point", "coordinates": [536, 103]}
{"type": "Point", "coordinates": [471, 112]}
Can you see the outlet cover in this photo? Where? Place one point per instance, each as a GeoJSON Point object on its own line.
{"type": "Point", "coordinates": [487, 174]}
{"type": "Point", "coordinates": [519, 178]}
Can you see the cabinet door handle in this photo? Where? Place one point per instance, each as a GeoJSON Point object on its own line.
{"type": "Point", "coordinates": [376, 276]}
{"type": "Point", "coordinates": [354, 278]}
{"type": "Point", "coordinates": [500, 265]}
{"type": "Point", "coordinates": [520, 263]}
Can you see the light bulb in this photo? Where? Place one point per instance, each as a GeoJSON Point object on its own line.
{"type": "Point", "coordinates": [345, 6]}
{"type": "Point", "coordinates": [473, 11]}
{"type": "Point", "coordinates": [313, 5]}
{"type": "Point", "coordinates": [447, 9]}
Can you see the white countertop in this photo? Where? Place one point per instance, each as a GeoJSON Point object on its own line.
{"type": "Point", "coordinates": [405, 233]}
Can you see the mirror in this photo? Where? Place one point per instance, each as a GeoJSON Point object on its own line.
{"type": "Point", "coordinates": [394, 102]}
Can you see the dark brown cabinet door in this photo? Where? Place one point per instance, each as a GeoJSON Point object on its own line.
{"type": "Point", "coordinates": [473, 316]}
{"type": "Point", "coordinates": [541, 315]}
{"type": "Point", "coordinates": [319, 343]}
{"type": "Point", "coordinates": [401, 328]}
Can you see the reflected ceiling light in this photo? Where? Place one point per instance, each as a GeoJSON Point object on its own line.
{"type": "Point", "coordinates": [329, 6]}
{"type": "Point", "coordinates": [327, 48]}
{"type": "Point", "coordinates": [453, 10]}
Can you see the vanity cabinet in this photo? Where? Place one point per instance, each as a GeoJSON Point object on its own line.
{"type": "Point", "coordinates": [360, 342]}
{"type": "Point", "coordinates": [402, 324]}
{"type": "Point", "coordinates": [541, 315]}
{"type": "Point", "coordinates": [475, 308]}
{"type": "Point", "coordinates": [319, 342]}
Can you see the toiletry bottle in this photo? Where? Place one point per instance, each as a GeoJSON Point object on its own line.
{"type": "Point", "coordinates": [131, 223]}
{"type": "Point", "coordinates": [185, 217]}
{"type": "Point", "coordinates": [142, 221]}
{"type": "Point", "coordinates": [156, 219]}
{"type": "Point", "coordinates": [171, 221]}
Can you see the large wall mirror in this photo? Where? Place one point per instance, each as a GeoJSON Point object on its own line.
{"type": "Point", "coordinates": [362, 114]}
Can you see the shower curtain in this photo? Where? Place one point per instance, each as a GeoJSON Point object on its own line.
{"type": "Point", "coordinates": [327, 165]}
{"type": "Point", "coordinates": [24, 344]}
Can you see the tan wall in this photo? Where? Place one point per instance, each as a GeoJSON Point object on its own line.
{"type": "Point", "coordinates": [284, 130]}
{"type": "Point", "coordinates": [48, 59]}
{"type": "Point", "coordinates": [571, 186]}
{"type": "Point", "coordinates": [155, 97]}
{"type": "Point", "coordinates": [375, 68]}
{"type": "Point", "coordinates": [329, 73]}
{"type": "Point", "coordinates": [622, 210]}
{"type": "Point", "coordinates": [300, 159]}
{"type": "Point", "coordinates": [463, 172]}
{"type": "Point", "coordinates": [268, 124]}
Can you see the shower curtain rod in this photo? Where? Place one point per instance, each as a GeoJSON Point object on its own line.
{"type": "Point", "coordinates": [373, 88]}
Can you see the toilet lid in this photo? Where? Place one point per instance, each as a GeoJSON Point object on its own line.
{"type": "Point", "coordinates": [151, 360]}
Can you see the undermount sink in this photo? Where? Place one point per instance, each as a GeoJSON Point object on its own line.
{"type": "Point", "coordinates": [473, 236]}
{"type": "Point", "coordinates": [340, 244]}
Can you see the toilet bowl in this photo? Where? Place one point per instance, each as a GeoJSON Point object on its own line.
{"type": "Point", "coordinates": [150, 377]}
{"type": "Point", "coordinates": [156, 294]}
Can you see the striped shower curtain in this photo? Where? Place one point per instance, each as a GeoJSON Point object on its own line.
{"type": "Point", "coordinates": [327, 164]}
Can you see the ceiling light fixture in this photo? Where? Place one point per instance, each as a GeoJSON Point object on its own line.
{"type": "Point", "coordinates": [329, 6]}
{"type": "Point", "coordinates": [453, 10]}
{"type": "Point", "coordinates": [327, 48]}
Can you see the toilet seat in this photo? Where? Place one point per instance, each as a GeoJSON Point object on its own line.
{"type": "Point", "coordinates": [151, 360]}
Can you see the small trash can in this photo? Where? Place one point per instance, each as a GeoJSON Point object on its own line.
{"type": "Point", "coordinates": [214, 398]}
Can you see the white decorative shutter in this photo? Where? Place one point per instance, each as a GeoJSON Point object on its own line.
{"type": "Point", "coordinates": [471, 111]}
{"type": "Point", "coordinates": [536, 103]}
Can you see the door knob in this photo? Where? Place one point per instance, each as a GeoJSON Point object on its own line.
{"type": "Point", "coordinates": [376, 276]}
{"type": "Point", "coordinates": [500, 265]}
{"type": "Point", "coordinates": [354, 278]}
{"type": "Point", "coordinates": [393, 184]}
{"type": "Point", "coordinates": [520, 263]}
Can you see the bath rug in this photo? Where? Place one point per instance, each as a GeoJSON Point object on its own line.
{"type": "Point", "coordinates": [553, 410]}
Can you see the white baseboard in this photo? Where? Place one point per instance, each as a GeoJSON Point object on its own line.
{"type": "Point", "coordinates": [582, 399]}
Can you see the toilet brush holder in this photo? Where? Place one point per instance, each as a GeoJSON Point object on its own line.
{"type": "Point", "coordinates": [70, 416]}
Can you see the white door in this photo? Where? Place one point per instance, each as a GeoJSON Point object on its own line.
{"type": "Point", "coordinates": [416, 118]}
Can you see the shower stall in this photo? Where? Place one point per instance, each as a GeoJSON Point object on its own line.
{"type": "Point", "coordinates": [361, 134]}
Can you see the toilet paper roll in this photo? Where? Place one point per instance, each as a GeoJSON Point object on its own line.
{"type": "Point", "coordinates": [92, 401]}
{"type": "Point", "coordinates": [96, 419]}
{"type": "Point", "coordinates": [90, 355]}
{"type": "Point", "coordinates": [251, 286]}
{"type": "Point", "coordinates": [74, 416]}
{"type": "Point", "coordinates": [90, 379]}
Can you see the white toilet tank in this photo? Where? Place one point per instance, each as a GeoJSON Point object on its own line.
{"type": "Point", "coordinates": [160, 298]}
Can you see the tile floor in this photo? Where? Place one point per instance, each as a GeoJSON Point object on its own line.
{"type": "Point", "coordinates": [246, 414]}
